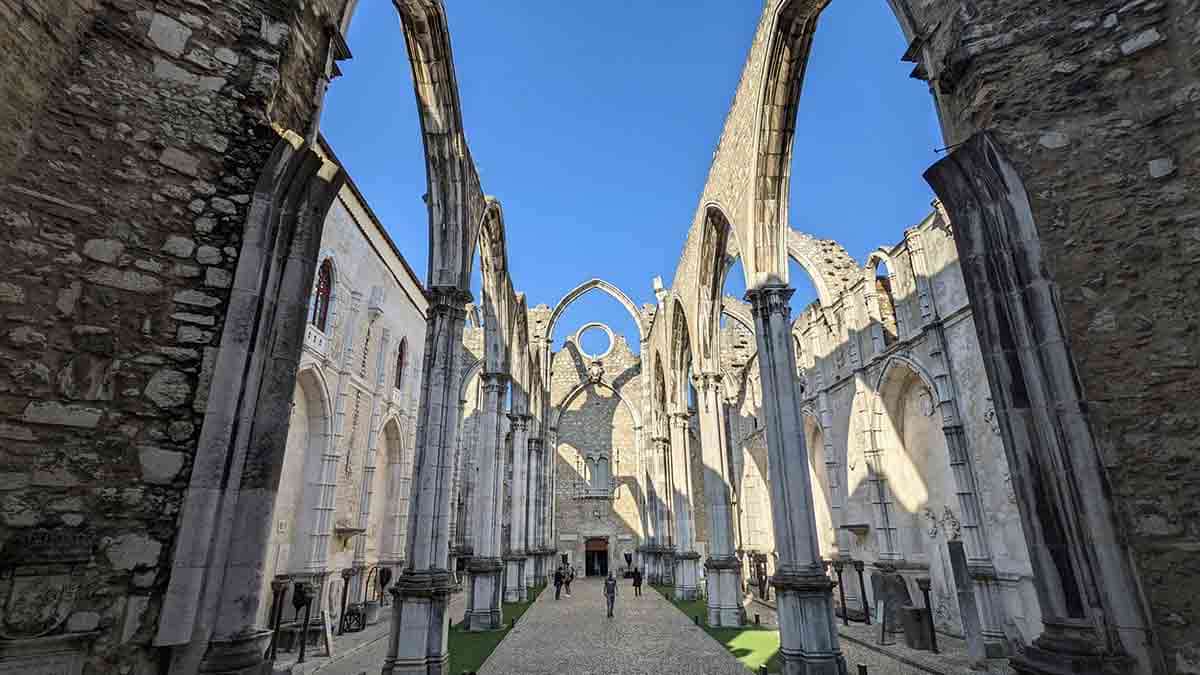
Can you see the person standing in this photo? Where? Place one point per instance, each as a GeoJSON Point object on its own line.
{"type": "Point", "coordinates": [637, 582]}
{"type": "Point", "coordinates": [558, 582]}
{"type": "Point", "coordinates": [610, 592]}
{"type": "Point", "coordinates": [570, 574]}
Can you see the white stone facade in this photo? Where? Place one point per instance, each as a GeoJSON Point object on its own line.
{"type": "Point", "coordinates": [344, 485]}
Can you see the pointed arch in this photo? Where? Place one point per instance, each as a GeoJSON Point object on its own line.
{"type": "Point", "coordinates": [714, 266]}
{"type": "Point", "coordinates": [596, 284]}
{"type": "Point", "coordinates": [556, 414]}
{"type": "Point", "coordinates": [322, 296]}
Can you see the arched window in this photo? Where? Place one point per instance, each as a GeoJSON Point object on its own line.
{"type": "Point", "coordinates": [321, 296]}
{"type": "Point", "coordinates": [887, 304]}
{"type": "Point", "coordinates": [401, 357]}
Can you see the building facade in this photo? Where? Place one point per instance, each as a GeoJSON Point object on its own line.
{"type": "Point", "coordinates": [341, 509]}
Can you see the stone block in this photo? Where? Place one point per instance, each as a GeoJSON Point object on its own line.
{"type": "Point", "coordinates": [57, 414]}
{"type": "Point", "coordinates": [196, 298]}
{"type": "Point", "coordinates": [159, 466]}
{"type": "Point", "coordinates": [168, 388]}
{"type": "Point", "coordinates": [11, 293]}
{"type": "Point", "coordinates": [132, 551]}
{"type": "Point", "coordinates": [180, 247]}
{"type": "Point", "coordinates": [169, 35]}
{"type": "Point", "coordinates": [127, 280]}
{"type": "Point", "coordinates": [218, 278]}
{"type": "Point", "coordinates": [103, 250]}
{"type": "Point", "coordinates": [208, 255]}
{"type": "Point", "coordinates": [184, 163]}
{"type": "Point", "coordinates": [82, 622]}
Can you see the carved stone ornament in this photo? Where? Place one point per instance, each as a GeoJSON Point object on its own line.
{"type": "Point", "coordinates": [925, 402]}
{"type": "Point", "coordinates": [40, 591]}
{"type": "Point", "coordinates": [36, 605]}
{"type": "Point", "coordinates": [596, 371]}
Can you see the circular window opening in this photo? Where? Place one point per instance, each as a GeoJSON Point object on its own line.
{"type": "Point", "coordinates": [595, 340]}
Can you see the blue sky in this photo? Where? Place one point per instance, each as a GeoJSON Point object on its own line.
{"type": "Point", "coordinates": [595, 123]}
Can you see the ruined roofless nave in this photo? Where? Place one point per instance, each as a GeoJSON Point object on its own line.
{"type": "Point", "coordinates": [218, 372]}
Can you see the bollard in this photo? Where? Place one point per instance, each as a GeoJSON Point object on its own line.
{"type": "Point", "coordinates": [697, 618]}
{"type": "Point", "coordinates": [757, 621]}
{"type": "Point", "coordinates": [862, 669]}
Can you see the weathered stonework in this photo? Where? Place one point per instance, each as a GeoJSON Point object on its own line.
{"type": "Point", "coordinates": [136, 138]}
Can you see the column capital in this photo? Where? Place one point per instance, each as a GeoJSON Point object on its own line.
{"type": "Point", "coordinates": [519, 422]}
{"type": "Point", "coordinates": [447, 297]}
{"type": "Point", "coordinates": [681, 420]}
{"type": "Point", "coordinates": [494, 382]}
{"type": "Point", "coordinates": [770, 300]}
{"type": "Point", "coordinates": [705, 381]}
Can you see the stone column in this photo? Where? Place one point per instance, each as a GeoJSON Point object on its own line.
{"type": "Point", "coordinates": [803, 591]}
{"type": "Point", "coordinates": [687, 560]}
{"type": "Point", "coordinates": [724, 578]}
{"type": "Point", "coordinates": [331, 456]}
{"type": "Point", "coordinates": [533, 556]}
{"type": "Point", "coordinates": [656, 498]}
{"type": "Point", "coordinates": [515, 588]}
{"type": "Point", "coordinates": [366, 491]}
{"type": "Point", "coordinates": [486, 567]}
{"type": "Point", "coordinates": [421, 620]}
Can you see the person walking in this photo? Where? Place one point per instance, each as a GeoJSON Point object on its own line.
{"type": "Point", "coordinates": [570, 576]}
{"type": "Point", "coordinates": [610, 592]}
{"type": "Point", "coordinates": [637, 582]}
{"type": "Point", "coordinates": [558, 582]}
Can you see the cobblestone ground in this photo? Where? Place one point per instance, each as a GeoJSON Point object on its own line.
{"type": "Point", "coordinates": [646, 635]}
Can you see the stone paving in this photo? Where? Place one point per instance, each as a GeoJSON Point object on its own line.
{"type": "Point", "coordinates": [572, 635]}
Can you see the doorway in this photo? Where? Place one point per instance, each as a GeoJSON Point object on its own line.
{"type": "Point", "coordinates": [596, 560]}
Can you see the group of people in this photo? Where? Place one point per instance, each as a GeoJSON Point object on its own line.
{"type": "Point", "coordinates": [565, 574]}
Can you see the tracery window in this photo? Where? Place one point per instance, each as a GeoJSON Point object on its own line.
{"type": "Point", "coordinates": [321, 296]}
{"type": "Point", "coordinates": [401, 357]}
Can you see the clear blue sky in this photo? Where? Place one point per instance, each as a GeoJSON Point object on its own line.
{"type": "Point", "coordinates": [595, 123]}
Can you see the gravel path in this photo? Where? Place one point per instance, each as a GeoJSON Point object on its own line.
{"type": "Point", "coordinates": [647, 636]}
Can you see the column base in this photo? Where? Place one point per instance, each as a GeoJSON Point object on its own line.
{"type": "Point", "coordinates": [242, 655]}
{"type": "Point", "coordinates": [1065, 649]}
{"type": "Point", "coordinates": [484, 609]}
{"type": "Point", "coordinates": [808, 634]}
{"type": "Point", "coordinates": [724, 585]}
{"type": "Point", "coordinates": [515, 587]}
{"type": "Point", "coordinates": [687, 576]}
{"type": "Point", "coordinates": [420, 624]}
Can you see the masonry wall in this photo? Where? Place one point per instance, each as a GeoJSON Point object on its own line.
{"type": "Point", "coordinates": [594, 423]}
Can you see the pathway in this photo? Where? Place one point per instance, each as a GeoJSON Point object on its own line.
{"type": "Point", "coordinates": [572, 635]}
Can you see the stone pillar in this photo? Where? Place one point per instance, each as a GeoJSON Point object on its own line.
{"type": "Point", "coordinates": [331, 456]}
{"type": "Point", "coordinates": [486, 567]}
{"type": "Point", "coordinates": [809, 639]}
{"type": "Point", "coordinates": [532, 552]}
{"type": "Point", "coordinates": [658, 511]}
{"type": "Point", "coordinates": [421, 620]}
{"type": "Point", "coordinates": [366, 491]}
{"type": "Point", "coordinates": [515, 586]}
{"type": "Point", "coordinates": [724, 578]}
{"type": "Point", "coordinates": [1093, 609]}
{"type": "Point", "coordinates": [687, 560]}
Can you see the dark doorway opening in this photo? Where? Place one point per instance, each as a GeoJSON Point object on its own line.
{"type": "Point", "coordinates": [596, 561]}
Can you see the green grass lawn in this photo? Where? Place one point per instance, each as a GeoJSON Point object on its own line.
{"type": "Point", "coordinates": [469, 650]}
{"type": "Point", "coordinates": [752, 646]}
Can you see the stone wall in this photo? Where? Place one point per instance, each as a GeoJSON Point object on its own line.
{"type": "Point", "coordinates": [595, 423]}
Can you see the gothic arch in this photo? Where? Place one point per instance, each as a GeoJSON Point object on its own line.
{"type": "Point", "coordinates": [557, 412]}
{"type": "Point", "coordinates": [738, 314]}
{"type": "Point", "coordinates": [683, 355]}
{"type": "Point", "coordinates": [602, 286]}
